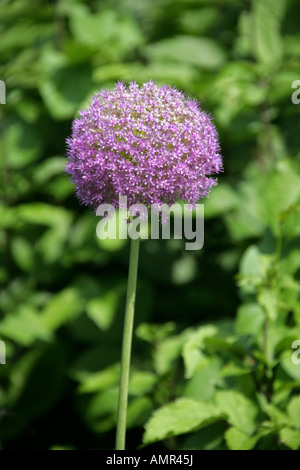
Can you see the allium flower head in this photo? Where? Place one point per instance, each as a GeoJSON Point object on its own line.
{"type": "Point", "coordinates": [148, 143]}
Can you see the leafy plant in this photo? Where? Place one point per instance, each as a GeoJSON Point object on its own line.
{"type": "Point", "coordinates": [214, 328]}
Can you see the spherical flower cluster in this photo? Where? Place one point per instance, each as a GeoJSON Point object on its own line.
{"type": "Point", "coordinates": [148, 143]}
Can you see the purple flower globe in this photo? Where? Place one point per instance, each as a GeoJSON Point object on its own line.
{"type": "Point", "coordinates": [148, 143]}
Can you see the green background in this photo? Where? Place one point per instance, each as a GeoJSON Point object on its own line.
{"type": "Point", "coordinates": [212, 355]}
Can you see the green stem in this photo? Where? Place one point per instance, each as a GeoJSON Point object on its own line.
{"type": "Point", "coordinates": [126, 346]}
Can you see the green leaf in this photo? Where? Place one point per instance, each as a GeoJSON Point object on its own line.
{"type": "Point", "coordinates": [24, 144]}
{"type": "Point", "coordinates": [244, 223]}
{"type": "Point", "coordinates": [194, 357]}
{"type": "Point", "coordinates": [240, 411]}
{"type": "Point", "coordinates": [267, 18]}
{"type": "Point", "coordinates": [291, 218]}
{"type": "Point", "coordinates": [102, 309]}
{"type": "Point", "coordinates": [141, 382]}
{"type": "Point", "coordinates": [138, 412]}
{"type": "Point", "coordinates": [153, 333]}
{"type": "Point", "coordinates": [101, 380]}
{"type": "Point", "coordinates": [182, 416]}
{"type": "Point", "coordinates": [234, 90]}
{"type": "Point", "coordinates": [53, 166]}
{"type": "Point", "coordinates": [92, 30]}
{"type": "Point", "coordinates": [277, 417]}
{"type": "Point", "coordinates": [8, 216]}
{"type": "Point", "coordinates": [42, 213]}
{"type": "Point", "coordinates": [104, 27]}
{"type": "Point", "coordinates": [22, 252]}
{"type": "Point", "coordinates": [293, 410]}
{"type": "Point", "coordinates": [62, 94]}
{"type": "Point", "coordinates": [25, 327]}
{"type": "Point", "coordinates": [267, 298]}
{"type": "Point", "coordinates": [250, 263]}
{"type": "Point", "coordinates": [238, 440]}
{"type": "Point", "coordinates": [168, 351]}
{"type": "Point", "coordinates": [220, 345]}
{"type": "Point", "coordinates": [203, 384]}
{"type": "Point", "coordinates": [201, 52]}
{"type": "Point", "coordinates": [58, 219]}
{"type": "Point", "coordinates": [100, 411]}
{"type": "Point", "coordinates": [61, 308]}
{"type": "Point", "coordinates": [221, 200]}
{"type": "Point", "coordinates": [20, 373]}
{"type": "Point", "coordinates": [290, 437]}
{"type": "Point", "coordinates": [198, 21]}
{"type": "Point", "coordinates": [250, 319]}
{"type": "Point", "coordinates": [209, 438]}
{"type": "Point", "coordinates": [286, 182]}
{"type": "Point", "coordinates": [24, 35]}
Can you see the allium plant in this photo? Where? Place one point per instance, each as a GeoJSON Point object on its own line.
{"type": "Point", "coordinates": [152, 145]}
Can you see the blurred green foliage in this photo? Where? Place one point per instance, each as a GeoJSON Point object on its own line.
{"type": "Point", "coordinates": [212, 358]}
